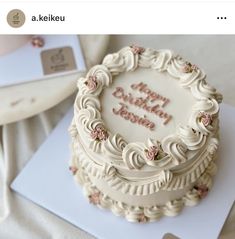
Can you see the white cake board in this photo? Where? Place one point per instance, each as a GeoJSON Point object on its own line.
{"type": "Point", "coordinates": [24, 64]}
{"type": "Point", "coordinates": [47, 181]}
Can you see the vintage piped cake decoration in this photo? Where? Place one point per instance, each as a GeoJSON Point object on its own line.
{"type": "Point", "coordinates": [145, 180]}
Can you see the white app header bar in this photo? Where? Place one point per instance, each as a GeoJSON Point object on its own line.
{"type": "Point", "coordinates": [91, 17]}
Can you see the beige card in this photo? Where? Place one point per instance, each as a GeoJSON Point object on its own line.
{"type": "Point", "coordinates": [58, 60]}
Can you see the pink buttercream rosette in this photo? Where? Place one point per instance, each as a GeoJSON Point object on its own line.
{"type": "Point", "coordinates": [202, 190]}
{"type": "Point", "coordinates": [99, 133]}
{"type": "Point", "coordinates": [91, 83]}
{"type": "Point", "coordinates": [152, 152]}
{"type": "Point", "coordinates": [188, 67]}
{"type": "Point", "coordinates": [137, 49]}
{"type": "Point", "coordinates": [205, 118]}
{"type": "Point", "coordinates": [94, 198]}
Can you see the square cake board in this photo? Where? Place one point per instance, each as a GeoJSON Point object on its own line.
{"type": "Point", "coordinates": [46, 181]}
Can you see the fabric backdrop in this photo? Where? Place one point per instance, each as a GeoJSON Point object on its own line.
{"type": "Point", "coordinates": [20, 218]}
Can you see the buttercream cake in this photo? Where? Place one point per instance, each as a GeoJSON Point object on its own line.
{"type": "Point", "coordinates": [145, 134]}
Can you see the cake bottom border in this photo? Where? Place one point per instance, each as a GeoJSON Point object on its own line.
{"type": "Point", "coordinates": [139, 213]}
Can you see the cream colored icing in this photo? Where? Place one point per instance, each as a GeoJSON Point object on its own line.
{"type": "Point", "coordinates": [178, 107]}
{"type": "Point", "coordinates": [132, 212]}
{"type": "Point", "coordinates": [118, 167]}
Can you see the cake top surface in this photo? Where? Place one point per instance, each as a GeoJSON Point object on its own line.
{"type": "Point", "coordinates": [146, 104]}
{"type": "Point", "coordinates": [146, 109]}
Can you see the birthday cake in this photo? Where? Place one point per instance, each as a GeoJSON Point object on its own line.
{"type": "Point", "coordinates": [145, 134]}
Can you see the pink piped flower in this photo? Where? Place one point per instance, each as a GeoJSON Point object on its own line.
{"type": "Point", "coordinates": [137, 49]}
{"type": "Point", "coordinates": [142, 218]}
{"type": "Point", "coordinates": [152, 152]}
{"type": "Point", "coordinates": [188, 67]}
{"type": "Point", "coordinates": [37, 42]}
{"type": "Point", "coordinates": [205, 118]}
{"type": "Point", "coordinates": [102, 135]}
{"type": "Point", "coordinates": [94, 134]}
{"type": "Point", "coordinates": [202, 190]}
{"type": "Point", "coordinates": [91, 83]}
{"type": "Point", "coordinates": [99, 133]}
{"type": "Point", "coordinates": [194, 67]}
{"type": "Point", "coordinates": [94, 198]}
{"type": "Point", "coordinates": [73, 169]}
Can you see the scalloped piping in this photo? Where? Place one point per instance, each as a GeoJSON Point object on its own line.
{"type": "Point", "coordinates": [144, 214]}
{"type": "Point", "coordinates": [126, 60]}
{"type": "Point", "coordinates": [87, 117]}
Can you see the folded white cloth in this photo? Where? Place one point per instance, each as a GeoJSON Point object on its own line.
{"type": "Point", "coordinates": [20, 218]}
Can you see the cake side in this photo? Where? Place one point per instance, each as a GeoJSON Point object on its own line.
{"type": "Point", "coordinates": [136, 213]}
{"type": "Point", "coordinates": [136, 178]}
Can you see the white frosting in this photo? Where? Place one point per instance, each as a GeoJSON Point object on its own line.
{"type": "Point", "coordinates": [179, 107]}
{"type": "Point", "coordinates": [132, 213]}
{"type": "Point", "coordinates": [114, 156]}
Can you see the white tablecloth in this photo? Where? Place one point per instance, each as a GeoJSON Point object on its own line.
{"type": "Point", "coordinates": [21, 218]}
